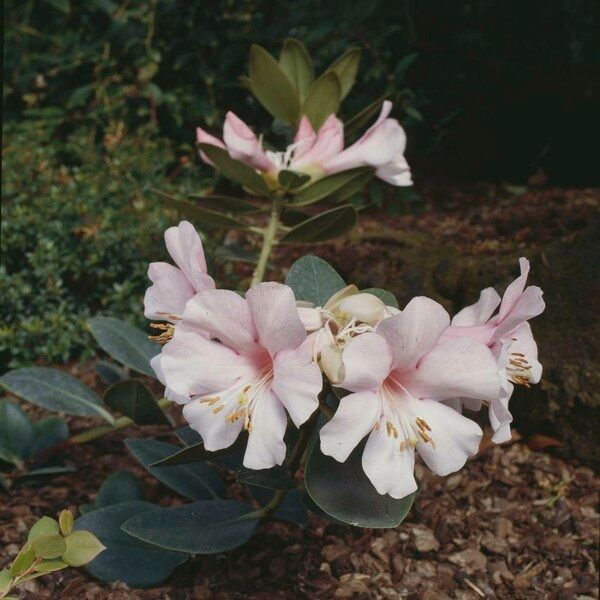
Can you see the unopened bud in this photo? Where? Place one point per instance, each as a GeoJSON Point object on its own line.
{"type": "Point", "coordinates": [365, 308]}
{"type": "Point", "coordinates": [332, 365]}
{"type": "Point", "coordinates": [311, 318]}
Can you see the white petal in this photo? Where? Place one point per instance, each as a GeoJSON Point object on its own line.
{"type": "Point", "coordinates": [168, 294]}
{"type": "Point", "coordinates": [480, 312]}
{"type": "Point", "coordinates": [169, 393]}
{"type": "Point", "coordinates": [367, 359]}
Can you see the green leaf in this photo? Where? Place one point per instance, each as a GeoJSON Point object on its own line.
{"type": "Point", "coordinates": [65, 521]}
{"type": "Point", "coordinates": [326, 226]}
{"type": "Point", "coordinates": [125, 558]}
{"type": "Point", "coordinates": [275, 478]}
{"type": "Point", "coordinates": [203, 216]}
{"type": "Point", "coordinates": [323, 99]}
{"type": "Point", "coordinates": [16, 432]}
{"type": "Point", "coordinates": [62, 5]}
{"type": "Point", "coordinates": [197, 481]}
{"type": "Point", "coordinates": [346, 68]}
{"type": "Point", "coordinates": [23, 560]}
{"type": "Point", "coordinates": [47, 471]}
{"type": "Point", "coordinates": [125, 343]}
{"type": "Point", "coordinates": [54, 390]}
{"type": "Point", "coordinates": [291, 509]}
{"type": "Point", "coordinates": [82, 548]}
{"type": "Point", "coordinates": [228, 458]}
{"type": "Point", "coordinates": [386, 297]}
{"type": "Point", "coordinates": [5, 581]}
{"type": "Point", "coordinates": [343, 491]}
{"type": "Point", "coordinates": [361, 118]}
{"type": "Point", "coordinates": [121, 486]}
{"type": "Point", "coordinates": [234, 169]}
{"type": "Point", "coordinates": [332, 185]}
{"type": "Point", "coordinates": [109, 372]}
{"type": "Point", "coordinates": [314, 280]}
{"type": "Point", "coordinates": [236, 253]}
{"type": "Point", "coordinates": [271, 86]}
{"type": "Point", "coordinates": [54, 427]}
{"type": "Point", "coordinates": [354, 186]}
{"type": "Point", "coordinates": [314, 508]}
{"type": "Point", "coordinates": [297, 65]}
{"type": "Point", "coordinates": [405, 62]}
{"type": "Point", "coordinates": [226, 203]}
{"type": "Point", "coordinates": [289, 180]}
{"type": "Point", "coordinates": [206, 527]}
{"type": "Point", "coordinates": [134, 400]}
{"type": "Point", "coordinates": [49, 546]}
{"type": "Point", "coordinates": [44, 527]}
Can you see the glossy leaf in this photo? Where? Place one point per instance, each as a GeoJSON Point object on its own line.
{"type": "Point", "coordinates": [326, 226]}
{"type": "Point", "coordinates": [291, 509]}
{"type": "Point", "coordinates": [386, 297]}
{"type": "Point", "coordinates": [196, 481]}
{"type": "Point", "coordinates": [121, 486]}
{"type": "Point", "coordinates": [54, 390]}
{"type": "Point", "coordinates": [271, 86]}
{"type": "Point", "coordinates": [363, 117]}
{"type": "Point", "coordinates": [81, 548]}
{"type": "Point", "coordinates": [16, 432]}
{"type": "Point", "coordinates": [330, 185]}
{"type": "Point", "coordinates": [206, 527]}
{"type": "Point", "coordinates": [314, 280]}
{"type": "Point", "coordinates": [323, 99]}
{"type": "Point", "coordinates": [346, 68]}
{"type": "Point", "coordinates": [125, 343]}
{"type": "Point", "coordinates": [126, 559]}
{"type": "Point", "coordinates": [289, 180]}
{"type": "Point", "coordinates": [314, 508]}
{"type": "Point", "coordinates": [297, 65]}
{"type": "Point", "coordinates": [226, 203]}
{"type": "Point", "coordinates": [275, 478]}
{"type": "Point", "coordinates": [134, 400]}
{"type": "Point", "coordinates": [344, 491]}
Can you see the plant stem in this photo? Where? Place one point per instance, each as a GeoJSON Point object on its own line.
{"type": "Point", "coordinates": [269, 240]}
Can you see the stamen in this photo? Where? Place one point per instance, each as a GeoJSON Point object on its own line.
{"type": "Point", "coordinates": [219, 408]}
{"type": "Point", "coordinates": [210, 400]}
{"type": "Point", "coordinates": [167, 332]}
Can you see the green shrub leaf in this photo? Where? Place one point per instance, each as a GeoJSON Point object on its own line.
{"type": "Point", "coordinates": [290, 180]}
{"type": "Point", "coordinates": [275, 478]}
{"type": "Point", "coordinates": [121, 486]}
{"type": "Point", "coordinates": [297, 65]}
{"type": "Point", "coordinates": [326, 226]}
{"type": "Point", "coordinates": [346, 68]}
{"type": "Point", "coordinates": [125, 343]}
{"type": "Point", "coordinates": [314, 280]}
{"type": "Point", "coordinates": [291, 509]}
{"type": "Point", "coordinates": [109, 372]}
{"type": "Point", "coordinates": [54, 390]}
{"type": "Point", "coordinates": [134, 400]}
{"type": "Point", "coordinates": [206, 527]}
{"type": "Point", "coordinates": [226, 203]}
{"type": "Point", "coordinates": [16, 432]}
{"type": "Point", "coordinates": [82, 547]}
{"type": "Point", "coordinates": [361, 118]}
{"type": "Point", "coordinates": [333, 185]}
{"type": "Point", "coordinates": [323, 99]}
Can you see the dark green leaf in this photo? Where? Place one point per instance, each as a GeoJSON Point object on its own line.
{"type": "Point", "coordinates": [235, 170]}
{"type": "Point", "coordinates": [291, 509]}
{"type": "Point", "coordinates": [386, 297]}
{"type": "Point", "coordinates": [275, 478]}
{"type": "Point", "coordinates": [109, 372]}
{"type": "Point", "coordinates": [126, 559]}
{"type": "Point", "coordinates": [354, 186]}
{"type": "Point", "coordinates": [196, 481]}
{"type": "Point", "coordinates": [314, 280]}
{"type": "Point", "coordinates": [16, 432]}
{"type": "Point", "coordinates": [134, 400]}
{"type": "Point", "coordinates": [314, 508]}
{"type": "Point", "coordinates": [125, 343]}
{"type": "Point", "coordinates": [271, 86]}
{"type": "Point", "coordinates": [206, 527]}
{"type": "Point", "coordinates": [54, 390]}
{"type": "Point", "coordinates": [343, 491]}
{"type": "Point", "coordinates": [236, 253]}
{"type": "Point", "coordinates": [323, 99]}
{"type": "Point", "coordinates": [332, 185]}
{"type": "Point", "coordinates": [47, 472]}
{"type": "Point", "coordinates": [297, 65]}
{"type": "Point", "coordinates": [290, 180]}
{"type": "Point", "coordinates": [52, 426]}
{"type": "Point", "coordinates": [361, 118]}
{"type": "Point", "coordinates": [226, 203]}
{"type": "Point", "coordinates": [188, 436]}
{"type": "Point", "coordinates": [291, 217]}
{"type": "Point", "coordinates": [346, 68]}
{"type": "Point", "coordinates": [121, 486]}
{"type": "Point", "coordinates": [326, 226]}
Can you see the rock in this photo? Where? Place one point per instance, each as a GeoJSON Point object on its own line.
{"type": "Point", "coordinates": [470, 560]}
{"type": "Point", "coordinates": [424, 540]}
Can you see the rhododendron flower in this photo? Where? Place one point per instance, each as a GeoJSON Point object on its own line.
{"type": "Point", "coordinates": [319, 153]}
{"type": "Point", "coordinates": [398, 375]}
{"type": "Point", "coordinates": [509, 336]}
{"type": "Point", "coordinates": [250, 372]}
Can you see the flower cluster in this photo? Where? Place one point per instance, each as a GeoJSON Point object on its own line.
{"type": "Point", "coordinates": [247, 362]}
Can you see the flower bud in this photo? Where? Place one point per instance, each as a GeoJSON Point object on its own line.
{"type": "Point", "coordinates": [311, 318]}
{"type": "Point", "coordinates": [365, 308]}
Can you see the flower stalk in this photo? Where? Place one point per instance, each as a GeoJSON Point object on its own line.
{"type": "Point", "coordinates": [269, 241]}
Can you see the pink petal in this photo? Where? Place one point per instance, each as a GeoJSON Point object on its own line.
{"type": "Point", "coordinates": [305, 138]}
{"type": "Point", "coordinates": [266, 447]}
{"type": "Point", "coordinates": [480, 312]}
{"type": "Point", "coordinates": [528, 305]}
{"type": "Point", "coordinates": [242, 144]}
{"type": "Point", "coordinates": [275, 315]}
{"type": "Point", "coordinates": [524, 343]}
{"type": "Point", "coordinates": [328, 143]}
{"type": "Point", "coordinates": [169, 293]}
{"type": "Point", "coordinates": [456, 367]}
{"type": "Point", "coordinates": [226, 316]}
{"type": "Point", "coordinates": [396, 172]}
{"type": "Point", "coordinates": [389, 469]}
{"type": "Point", "coordinates": [415, 331]}
{"type": "Point", "coordinates": [367, 362]}
{"type": "Point", "coordinates": [297, 382]}
{"type": "Point", "coordinates": [355, 417]}
{"type": "Point", "coordinates": [501, 418]}
{"type": "Point", "coordinates": [514, 290]}
{"type": "Point", "coordinates": [455, 437]}
{"type": "Point", "coordinates": [203, 137]}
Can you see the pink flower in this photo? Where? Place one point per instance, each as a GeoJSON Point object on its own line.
{"type": "Point", "coordinates": [509, 336]}
{"type": "Point", "coordinates": [173, 286]}
{"type": "Point", "coordinates": [249, 377]}
{"type": "Point", "coordinates": [398, 375]}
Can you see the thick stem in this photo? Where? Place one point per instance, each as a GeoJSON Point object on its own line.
{"type": "Point", "coordinates": [269, 240]}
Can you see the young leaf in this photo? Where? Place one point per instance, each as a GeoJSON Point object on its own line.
{"type": "Point", "coordinates": [44, 527]}
{"type": "Point", "coordinates": [125, 558]}
{"type": "Point", "coordinates": [331, 185]}
{"type": "Point", "coordinates": [235, 170]}
{"type": "Point", "coordinates": [346, 68]}
{"type": "Point", "coordinates": [326, 226]}
{"type": "Point", "coordinates": [16, 432]}
{"type": "Point", "coordinates": [134, 400]}
{"type": "Point", "coordinates": [343, 491]}
{"type": "Point", "coordinates": [314, 280]}
{"type": "Point", "coordinates": [121, 486]}
{"type": "Point", "coordinates": [23, 560]}
{"type": "Point", "coordinates": [5, 581]}
{"type": "Point", "coordinates": [206, 527]}
{"type": "Point", "coordinates": [49, 565]}
{"type": "Point", "coordinates": [49, 546]}
{"type": "Point", "coordinates": [361, 118]}
{"type": "Point", "coordinates": [323, 99]}
{"type": "Point", "coordinates": [82, 548]}
{"type": "Point", "coordinates": [197, 481]}
{"type": "Point", "coordinates": [297, 65]}
{"type": "Point", "coordinates": [271, 86]}
{"type": "Point", "coordinates": [65, 521]}
{"type": "Point", "coordinates": [54, 390]}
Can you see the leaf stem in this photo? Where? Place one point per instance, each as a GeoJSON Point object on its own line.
{"type": "Point", "coordinates": [269, 240]}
